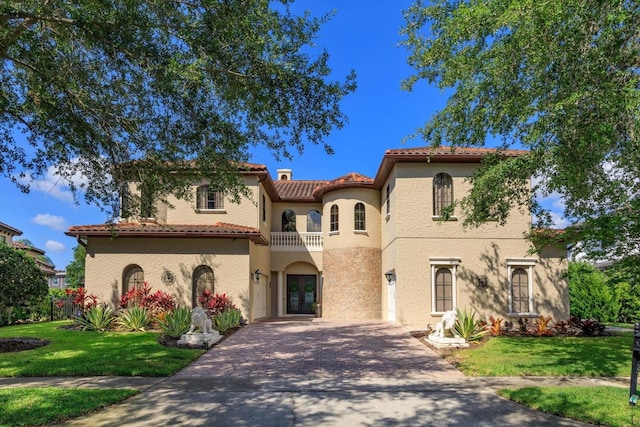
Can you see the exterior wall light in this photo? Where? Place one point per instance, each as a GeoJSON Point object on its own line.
{"type": "Point", "coordinates": [256, 276]}
{"type": "Point", "coordinates": [390, 275]}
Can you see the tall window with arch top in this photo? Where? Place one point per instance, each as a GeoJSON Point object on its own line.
{"type": "Point", "coordinates": [359, 217]}
{"type": "Point", "coordinates": [334, 218]}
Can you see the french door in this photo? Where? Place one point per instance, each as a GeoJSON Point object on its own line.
{"type": "Point", "coordinates": [301, 293]}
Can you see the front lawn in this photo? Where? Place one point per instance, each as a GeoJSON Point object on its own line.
{"type": "Point", "coordinates": [607, 356]}
{"type": "Point", "coordinates": [82, 353]}
{"type": "Point", "coordinates": [594, 405]}
{"type": "Point", "coordinates": [43, 406]}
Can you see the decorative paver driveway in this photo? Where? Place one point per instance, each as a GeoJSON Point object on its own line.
{"type": "Point", "coordinates": [320, 349]}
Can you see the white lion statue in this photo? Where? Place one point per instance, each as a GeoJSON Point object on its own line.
{"type": "Point", "coordinates": [200, 320]}
{"type": "Point", "coordinates": [448, 321]}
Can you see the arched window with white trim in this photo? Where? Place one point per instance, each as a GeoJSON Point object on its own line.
{"type": "Point", "coordinates": [443, 283]}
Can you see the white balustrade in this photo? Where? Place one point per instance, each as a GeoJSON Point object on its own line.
{"type": "Point", "coordinates": [282, 241]}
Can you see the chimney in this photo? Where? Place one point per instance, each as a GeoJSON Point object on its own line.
{"type": "Point", "coordinates": [284, 174]}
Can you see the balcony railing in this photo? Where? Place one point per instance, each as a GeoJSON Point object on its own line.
{"type": "Point", "coordinates": [311, 242]}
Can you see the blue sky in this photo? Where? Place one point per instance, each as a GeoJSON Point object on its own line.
{"type": "Point", "coordinates": [363, 36]}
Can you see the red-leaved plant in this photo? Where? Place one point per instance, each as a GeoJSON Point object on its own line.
{"type": "Point", "coordinates": [155, 303]}
{"type": "Point", "coordinates": [81, 299]}
{"type": "Point", "coordinates": [216, 304]}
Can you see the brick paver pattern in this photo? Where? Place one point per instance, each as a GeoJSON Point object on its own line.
{"type": "Point", "coordinates": [320, 349]}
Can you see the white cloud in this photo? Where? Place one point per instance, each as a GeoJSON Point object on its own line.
{"type": "Point", "coordinates": [48, 220]}
{"type": "Point", "coordinates": [54, 185]}
{"type": "Point", "coordinates": [53, 246]}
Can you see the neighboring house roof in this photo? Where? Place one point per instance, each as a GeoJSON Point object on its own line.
{"type": "Point", "coordinates": [27, 247]}
{"type": "Point", "coordinates": [152, 229]}
{"type": "Point", "coordinates": [10, 230]}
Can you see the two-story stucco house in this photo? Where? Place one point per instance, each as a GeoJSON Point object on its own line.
{"type": "Point", "coordinates": [363, 248]}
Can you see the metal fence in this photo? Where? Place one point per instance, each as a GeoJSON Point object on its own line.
{"type": "Point", "coordinates": [63, 308]}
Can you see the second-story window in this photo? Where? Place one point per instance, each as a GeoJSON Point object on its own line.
{"type": "Point", "coordinates": [264, 208]}
{"type": "Point", "coordinates": [334, 218]}
{"type": "Point", "coordinates": [313, 222]}
{"type": "Point", "coordinates": [442, 193]}
{"type": "Point", "coordinates": [288, 221]}
{"type": "Point", "coordinates": [146, 203]}
{"type": "Point", "coordinates": [209, 199]}
{"type": "Point", "coordinates": [359, 217]}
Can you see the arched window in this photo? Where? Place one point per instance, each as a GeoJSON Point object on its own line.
{"type": "Point", "coordinates": [442, 193]}
{"type": "Point", "coordinates": [359, 217]}
{"type": "Point", "coordinates": [444, 290]}
{"type": "Point", "coordinates": [313, 222]}
{"type": "Point", "coordinates": [132, 278]}
{"type": "Point", "coordinates": [289, 221]}
{"type": "Point", "coordinates": [520, 291]}
{"type": "Point", "coordinates": [334, 218]}
{"type": "Point", "coordinates": [208, 198]}
{"type": "Point", "coordinates": [202, 279]}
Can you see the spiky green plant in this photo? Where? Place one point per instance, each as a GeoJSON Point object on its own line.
{"type": "Point", "coordinates": [134, 318]}
{"type": "Point", "coordinates": [96, 318]}
{"type": "Point", "coordinates": [468, 327]}
{"type": "Point", "coordinates": [176, 322]}
{"type": "Point", "coordinates": [230, 318]}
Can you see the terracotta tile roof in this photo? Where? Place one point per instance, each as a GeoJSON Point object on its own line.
{"type": "Point", "coordinates": [153, 229]}
{"type": "Point", "coordinates": [26, 247]}
{"type": "Point", "coordinates": [350, 180]}
{"type": "Point", "coordinates": [10, 229]}
{"type": "Point", "coordinates": [297, 190]}
{"type": "Point", "coordinates": [452, 151]}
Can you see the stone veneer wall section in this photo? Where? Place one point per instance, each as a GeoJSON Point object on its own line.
{"type": "Point", "coordinates": [351, 284]}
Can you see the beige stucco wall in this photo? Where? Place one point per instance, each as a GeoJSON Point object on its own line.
{"type": "Point", "coordinates": [346, 236]}
{"type": "Point", "coordinates": [476, 257]}
{"type": "Point", "coordinates": [229, 259]}
{"type": "Point", "coordinates": [301, 210]}
{"type": "Point", "coordinates": [411, 236]}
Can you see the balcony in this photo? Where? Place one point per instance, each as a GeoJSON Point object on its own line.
{"type": "Point", "coordinates": [296, 242]}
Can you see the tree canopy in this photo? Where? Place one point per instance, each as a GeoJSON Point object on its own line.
{"type": "Point", "coordinates": [75, 269]}
{"type": "Point", "coordinates": [559, 78]}
{"type": "Point", "coordinates": [21, 281]}
{"type": "Point", "coordinates": [97, 84]}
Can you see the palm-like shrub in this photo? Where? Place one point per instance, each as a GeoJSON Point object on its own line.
{"type": "Point", "coordinates": [96, 318]}
{"type": "Point", "coordinates": [176, 322]}
{"type": "Point", "coordinates": [134, 318]}
{"type": "Point", "coordinates": [468, 327]}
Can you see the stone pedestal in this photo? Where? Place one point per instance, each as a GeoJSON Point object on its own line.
{"type": "Point", "coordinates": [446, 342]}
{"type": "Point", "coordinates": [200, 340]}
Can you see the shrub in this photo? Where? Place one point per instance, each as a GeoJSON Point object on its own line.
{"type": "Point", "coordinates": [562, 327]}
{"type": "Point", "coordinates": [216, 304]}
{"type": "Point", "coordinates": [22, 285]}
{"type": "Point", "coordinates": [589, 295]}
{"type": "Point", "coordinates": [468, 327]}
{"type": "Point", "coordinates": [134, 319]}
{"type": "Point", "coordinates": [155, 303]}
{"type": "Point", "coordinates": [226, 320]}
{"type": "Point", "coordinates": [542, 326]}
{"type": "Point", "coordinates": [523, 325]}
{"type": "Point", "coordinates": [81, 299]}
{"type": "Point", "coordinates": [628, 296]}
{"type": "Point", "coordinates": [495, 329]}
{"type": "Point", "coordinates": [589, 327]}
{"type": "Point", "coordinates": [176, 322]}
{"type": "Point", "coordinates": [508, 327]}
{"type": "Point", "coordinates": [96, 318]}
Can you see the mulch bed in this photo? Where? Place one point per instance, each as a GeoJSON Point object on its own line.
{"type": "Point", "coordinates": [10, 345]}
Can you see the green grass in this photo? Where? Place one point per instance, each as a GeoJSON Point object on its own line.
{"type": "Point", "coordinates": [39, 406]}
{"type": "Point", "coordinates": [608, 356]}
{"type": "Point", "coordinates": [595, 405]}
{"type": "Point", "coordinates": [82, 353]}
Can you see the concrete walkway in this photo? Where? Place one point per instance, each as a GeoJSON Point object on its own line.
{"type": "Point", "coordinates": [319, 373]}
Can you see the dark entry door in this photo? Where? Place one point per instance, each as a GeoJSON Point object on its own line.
{"type": "Point", "coordinates": [301, 293]}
